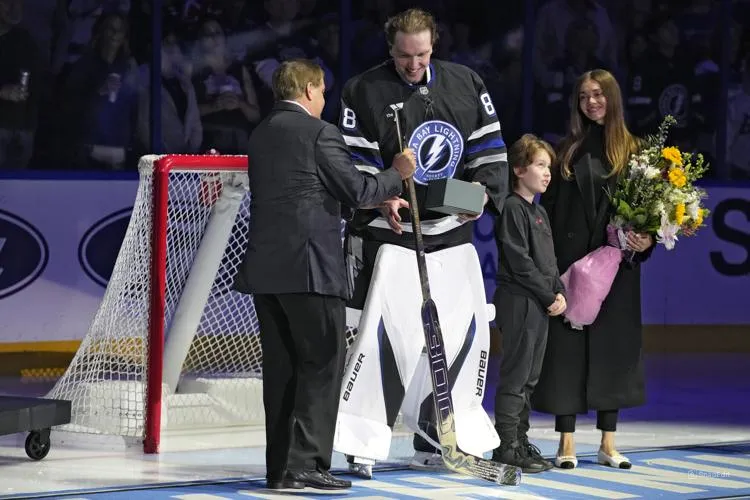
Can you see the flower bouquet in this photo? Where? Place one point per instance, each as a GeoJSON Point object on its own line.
{"type": "Point", "coordinates": [654, 194]}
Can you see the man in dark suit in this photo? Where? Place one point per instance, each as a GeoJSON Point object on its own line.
{"type": "Point", "coordinates": [301, 173]}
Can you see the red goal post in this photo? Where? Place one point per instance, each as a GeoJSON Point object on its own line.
{"type": "Point", "coordinates": [210, 188]}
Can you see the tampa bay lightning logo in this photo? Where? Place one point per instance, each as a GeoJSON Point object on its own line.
{"type": "Point", "coordinates": [439, 147]}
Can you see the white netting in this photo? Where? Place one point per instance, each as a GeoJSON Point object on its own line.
{"type": "Point", "coordinates": [219, 363]}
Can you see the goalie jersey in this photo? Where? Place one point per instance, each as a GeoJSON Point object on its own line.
{"type": "Point", "coordinates": [449, 121]}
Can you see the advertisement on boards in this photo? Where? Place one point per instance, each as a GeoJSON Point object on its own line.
{"type": "Point", "coordinates": [58, 243]}
{"type": "Point", "coordinates": [59, 240]}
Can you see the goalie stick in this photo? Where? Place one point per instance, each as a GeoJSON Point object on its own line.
{"type": "Point", "coordinates": [455, 459]}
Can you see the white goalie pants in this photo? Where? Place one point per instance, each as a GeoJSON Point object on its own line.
{"type": "Point", "coordinates": [387, 368]}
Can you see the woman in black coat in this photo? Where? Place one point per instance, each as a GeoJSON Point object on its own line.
{"type": "Point", "coordinates": [600, 367]}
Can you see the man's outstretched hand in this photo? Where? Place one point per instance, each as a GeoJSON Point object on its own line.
{"type": "Point", "coordinates": [389, 209]}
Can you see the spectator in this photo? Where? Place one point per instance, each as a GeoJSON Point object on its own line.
{"type": "Point", "coordinates": [581, 42]}
{"type": "Point", "coordinates": [20, 79]}
{"type": "Point", "coordinates": [139, 18]}
{"type": "Point", "coordinates": [696, 21]}
{"type": "Point", "coordinates": [664, 83]}
{"type": "Point", "coordinates": [369, 47]}
{"type": "Point", "coordinates": [225, 92]}
{"type": "Point", "coordinates": [284, 37]}
{"type": "Point", "coordinates": [738, 128]}
{"type": "Point", "coordinates": [77, 28]}
{"type": "Point", "coordinates": [238, 25]}
{"type": "Point", "coordinates": [181, 126]}
{"type": "Point", "coordinates": [326, 48]}
{"type": "Point", "coordinates": [98, 98]}
{"type": "Point", "coordinates": [552, 23]}
{"type": "Point", "coordinates": [43, 19]}
{"type": "Point", "coordinates": [633, 16]}
{"type": "Point", "coordinates": [507, 57]}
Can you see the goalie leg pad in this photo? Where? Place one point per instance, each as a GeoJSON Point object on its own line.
{"type": "Point", "coordinates": [461, 301]}
{"type": "Point", "coordinates": [382, 359]}
{"type": "Point", "coordinates": [387, 352]}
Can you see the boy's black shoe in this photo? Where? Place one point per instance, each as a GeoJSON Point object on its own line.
{"type": "Point", "coordinates": [512, 453]}
{"type": "Point", "coordinates": [534, 453]}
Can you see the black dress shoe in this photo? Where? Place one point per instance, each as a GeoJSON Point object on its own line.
{"type": "Point", "coordinates": [274, 483]}
{"type": "Point", "coordinates": [513, 453]}
{"type": "Point", "coordinates": [322, 480]}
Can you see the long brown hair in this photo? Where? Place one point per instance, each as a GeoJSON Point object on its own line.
{"type": "Point", "coordinates": [619, 143]}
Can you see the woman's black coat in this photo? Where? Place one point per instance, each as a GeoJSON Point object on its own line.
{"type": "Point", "coordinates": [601, 366]}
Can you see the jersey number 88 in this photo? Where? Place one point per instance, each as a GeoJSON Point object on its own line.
{"type": "Point", "coordinates": [489, 108]}
{"type": "Point", "coordinates": [349, 119]}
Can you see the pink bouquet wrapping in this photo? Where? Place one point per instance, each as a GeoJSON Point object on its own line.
{"type": "Point", "coordinates": [655, 194]}
{"type": "Point", "coordinates": [588, 280]}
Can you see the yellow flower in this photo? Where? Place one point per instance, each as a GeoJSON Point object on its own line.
{"type": "Point", "coordinates": [679, 213]}
{"type": "Point", "coordinates": [677, 177]}
{"type": "Point", "coordinates": [673, 155]}
{"type": "Point", "coordinates": [699, 219]}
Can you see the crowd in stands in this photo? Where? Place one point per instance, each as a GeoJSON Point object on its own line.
{"type": "Point", "coordinates": [75, 74]}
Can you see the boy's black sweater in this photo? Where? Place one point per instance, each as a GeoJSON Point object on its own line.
{"type": "Point", "coordinates": [527, 263]}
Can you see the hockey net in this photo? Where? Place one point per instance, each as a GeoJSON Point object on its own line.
{"type": "Point", "coordinates": [172, 346]}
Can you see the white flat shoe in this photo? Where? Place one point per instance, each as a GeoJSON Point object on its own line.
{"type": "Point", "coordinates": [566, 462]}
{"type": "Point", "coordinates": [617, 461]}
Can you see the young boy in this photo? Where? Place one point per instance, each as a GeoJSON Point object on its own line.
{"type": "Point", "coordinates": [528, 291]}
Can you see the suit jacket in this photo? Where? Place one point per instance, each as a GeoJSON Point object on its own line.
{"type": "Point", "coordinates": [301, 172]}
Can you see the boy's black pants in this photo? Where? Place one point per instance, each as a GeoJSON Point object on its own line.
{"type": "Point", "coordinates": [523, 323]}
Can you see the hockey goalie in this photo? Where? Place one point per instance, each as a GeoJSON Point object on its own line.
{"type": "Point", "coordinates": [387, 369]}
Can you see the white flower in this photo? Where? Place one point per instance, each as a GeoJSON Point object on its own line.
{"type": "Point", "coordinates": [676, 196]}
{"type": "Point", "coordinates": [652, 172]}
{"type": "Point", "coordinates": [691, 197]}
{"type": "Point", "coordinates": [637, 166]}
{"type": "Point", "coordinates": [667, 233]}
{"type": "Point", "coordinates": [660, 209]}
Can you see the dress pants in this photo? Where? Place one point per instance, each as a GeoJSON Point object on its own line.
{"type": "Point", "coordinates": [523, 323]}
{"type": "Point", "coordinates": [606, 420]}
{"type": "Point", "coordinates": [304, 348]}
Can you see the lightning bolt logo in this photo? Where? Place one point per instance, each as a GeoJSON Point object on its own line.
{"type": "Point", "coordinates": [441, 159]}
{"type": "Point", "coordinates": [436, 151]}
